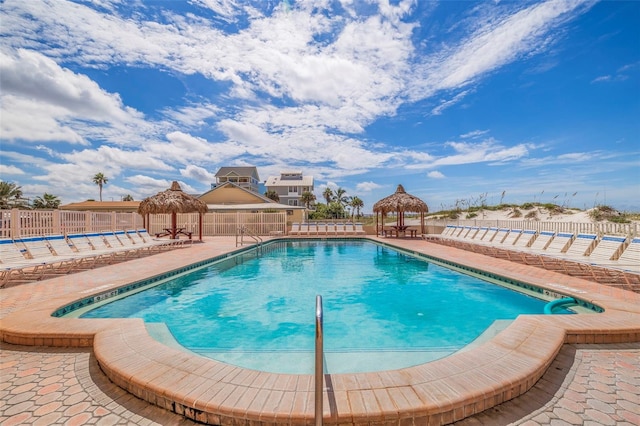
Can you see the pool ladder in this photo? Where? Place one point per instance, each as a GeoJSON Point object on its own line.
{"type": "Point", "coordinates": [241, 231]}
{"type": "Point", "coordinates": [319, 368]}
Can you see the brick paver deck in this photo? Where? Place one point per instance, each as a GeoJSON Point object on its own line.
{"type": "Point", "coordinates": [585, 384]}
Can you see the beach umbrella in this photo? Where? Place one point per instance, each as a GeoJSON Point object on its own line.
{"type": "Point", "coordinates": [173, 201]}
{"type": "Point", "coordinates": [400, 203]}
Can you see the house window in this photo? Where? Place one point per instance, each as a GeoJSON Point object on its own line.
{"type": "Point", "coordinates": [293, 189]}
{"type": "Point", "coordinates": [293, 202]}
{"type": "Point", "coordinates": [289, 212]}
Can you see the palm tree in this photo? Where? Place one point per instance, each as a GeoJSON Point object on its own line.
{"type": "Point", "coordinates": [307, 198]}
{"type": "Point", "coordinates": [100, 179]}
{"type": "Point", "coordinates": [341, 197]}
{"type": "Point", "coordinates": [47, 201]}
{"type": "Point", "coordinates": [9, 191]}
{"type": "Point", "coordinates": [127, 197]}
{"type": "Point", "coordinates": [328, 195]}
{"type": "Point", "coordinates": [356, 204]}
{"type": "Point", "coordinates": [273, 195]}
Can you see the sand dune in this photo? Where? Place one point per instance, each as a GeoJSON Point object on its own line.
{"type": "Point", "coordinates": [535, 214]}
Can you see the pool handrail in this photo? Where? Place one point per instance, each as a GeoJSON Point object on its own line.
{"type": "Point", "coordinates": [319, 370]}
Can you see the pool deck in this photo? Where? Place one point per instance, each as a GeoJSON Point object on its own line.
{"type": "Point", "coordinates": [458, 387]}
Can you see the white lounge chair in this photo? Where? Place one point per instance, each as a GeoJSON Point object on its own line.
{"type": "Point", "coordinates": [526, 238]}
{"type": "Point", "coordinates": [464, 233]}
{"type": "Point", "coordinates": [629, 260]}
{"type": "Point", "coordinates": [448, 230]}
{"type": "Point", "coordinates": [99, 243]}
{"type": "Point", "coordinates": [541, 241]}
{"type": "Point", "coordinates": [15, 266]}
{"type": "Point", "coordinates": [313, 228]}
{"type": "Point", "coordinates": [471, 235]}
{"type": "Point", "coordinates": [607, 248]}
{"type": "Point", "coordinates": [481, 233]}
{"type": "Point", "coordinates": [295, 229]}
{"type": "Point", "coordinates": [499, 237]}
{"type": "Point", "coordinates": [511, 238]}
{"type": "Point", "coordinates": [489, 235]}
{"type": "Point", "coordinates": [128, 242]}
{"type": "Point", "coordinates": [37, 248]}
{"type": "Point", "coordinates": [83, 245]}
{"type": "Point", "coordinates": [581, 246]}
{"type": "Point", "coordinates": [358, 229]}
{"type": "Point", "coordinates": [141, 236]}
{"type": "Point", "coordinates": [559, 243]}
{"type": "Point", "coordinates": [349, 228]}
{"type": "Point", "coordinates": [61, 247]}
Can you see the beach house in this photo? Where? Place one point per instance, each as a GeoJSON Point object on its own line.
{"type": "Point", "coordinates": [290, 186]}
{"type": "Point", "coordinates": [244, 177]}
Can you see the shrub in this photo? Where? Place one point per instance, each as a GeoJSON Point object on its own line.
{"type": "Point", "coordinates": [553, 209]}
{"type": "Point", "coordinates": [515, 213]}
{"type": "Point", "coordinates": [608, 213]}
{"type": "Point", "coordinates": [533, 214]}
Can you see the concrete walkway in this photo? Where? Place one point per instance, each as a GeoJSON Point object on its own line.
{"type": "Point", "coordinates": [586, 385]}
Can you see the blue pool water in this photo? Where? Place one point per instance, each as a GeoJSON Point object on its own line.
{"type": "Point", "coordinates": [382, 309]}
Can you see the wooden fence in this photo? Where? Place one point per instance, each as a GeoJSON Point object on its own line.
{"type": "Point", "coordinates": [596, 228]}
{"type": "Point", "coordinates": [16, 223]}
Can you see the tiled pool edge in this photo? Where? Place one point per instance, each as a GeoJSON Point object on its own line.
{"type": "Point", "coordinates": [434, 393]}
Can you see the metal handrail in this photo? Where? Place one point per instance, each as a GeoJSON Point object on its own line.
{"type": "Point", "coordinates": [319, 391]}
{"type": "Point", "coordinates": [244, 230]}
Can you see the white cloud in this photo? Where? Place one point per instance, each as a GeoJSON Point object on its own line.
{"type": "Point", "coordinates": [42, 101]}
{"type": "Point", "coordinates": [10, 170]}
{"type": "Point", "coordinates": [500, 41]}
{"type": "Point", "coordinates": [367, 186]}
{"type": "Point", "coordinates": [298, 86]}
{"type": "Point", "coordinates": [601, 79]}
{"type": "Point", "coordinates": [148, 186]}
{"type": "Point", "coordinates": [193, 116]}
{"type": "Point", "coordinates": [487, 151]}
{"type": "Point", "coordinates": [474, 134]}
{"type": "Point", "coordinates": [198, 173]}
{"type": "Point", "coordinates": [446, 104]}
{"type": "Point", "coordinates": [117, 159]}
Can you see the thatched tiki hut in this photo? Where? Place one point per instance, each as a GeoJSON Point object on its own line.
{"type": "Point", "coordinates": [400, 203]}
{"type": "Point", "coordinates": [173, 201]}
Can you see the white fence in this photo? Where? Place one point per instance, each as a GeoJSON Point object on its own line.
{"type": "Point", "coordinates": [222, 223]}
{"type": "Point", "coordinates": [18, 223]}
{"type": "Point", "coordinates": [596, 228]}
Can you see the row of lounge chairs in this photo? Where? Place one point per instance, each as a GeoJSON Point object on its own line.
{"type": "Point", "coordinates": [609, 250]}
{"type": "Point", "coordinates": [608, 259]}
{"type": "Point", "coordinates": [326, 229]}
{"type": "Point", "coordinates": [37, 257]}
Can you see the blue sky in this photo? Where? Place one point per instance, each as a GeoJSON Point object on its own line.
{"type": "Point", "coordinates": [458, 101]}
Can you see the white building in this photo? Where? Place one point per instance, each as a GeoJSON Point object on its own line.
{"type": "Point", "coordinates": [290, 186]}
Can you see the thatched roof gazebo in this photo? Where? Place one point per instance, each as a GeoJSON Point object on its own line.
{"type": "Point", "coordinates": [400, 203]}
{"type": "Point", "coordinates": [173, 201]}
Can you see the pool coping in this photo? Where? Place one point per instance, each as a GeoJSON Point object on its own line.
{"type": "Point", "coordinates": [439, 392]}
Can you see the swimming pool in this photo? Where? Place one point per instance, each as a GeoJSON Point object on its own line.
{"type": "Point", "coordinates": [383, 309]}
